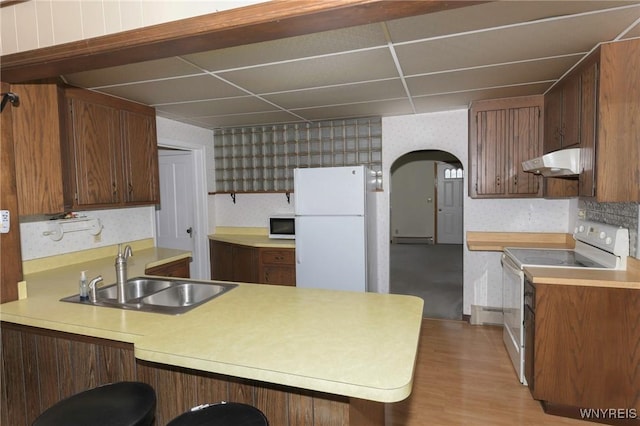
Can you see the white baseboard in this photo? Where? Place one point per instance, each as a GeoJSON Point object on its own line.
{"type": "Point", "coordinates": [486, 315]}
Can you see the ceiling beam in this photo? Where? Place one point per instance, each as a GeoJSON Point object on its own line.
{"type": "Point", "coordinates": [260, 22]}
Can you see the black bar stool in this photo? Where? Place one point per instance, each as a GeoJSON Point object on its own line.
{"type": "Point", "coordinates": [221, 414]}
{"type": "Point", "coordinates": [115, 404]}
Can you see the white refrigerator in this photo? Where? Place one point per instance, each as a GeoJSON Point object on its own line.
{"type": "Point", "coordinates": [331, 222]}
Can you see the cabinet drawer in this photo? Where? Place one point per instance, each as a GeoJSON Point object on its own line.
{"type": "Point", "coordinates": [277, 257]}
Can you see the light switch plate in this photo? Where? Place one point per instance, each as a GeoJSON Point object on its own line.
{"type": "Point", "coordinates": [5, 224]}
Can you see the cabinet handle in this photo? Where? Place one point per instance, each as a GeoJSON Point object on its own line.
{"type": "Point", "coordinates": [130, 188]}
{"type": "Point", "coordinates": [115, 188]}
{"type": "Point", "coordinates": [498, 180]}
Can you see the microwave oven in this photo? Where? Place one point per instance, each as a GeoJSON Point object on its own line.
{"type": "Point", "coordinates": [282, 227]}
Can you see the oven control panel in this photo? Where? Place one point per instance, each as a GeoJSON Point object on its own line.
{"type": "Point", "coordinates": [612, 238]}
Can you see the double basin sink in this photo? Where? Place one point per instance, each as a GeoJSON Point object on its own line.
{"type": "Point", "coordinates": [159, 295]}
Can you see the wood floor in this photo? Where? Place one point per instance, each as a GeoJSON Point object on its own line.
{"type": "Point", "coordinates": [464, 377]}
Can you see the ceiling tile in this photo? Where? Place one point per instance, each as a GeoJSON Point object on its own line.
{"type": "Point", "coordinates": [463, 99]}
{"type": "Point", "coordinates": [183, 89]}
{"type": "Point", "coordinates": [346, 39]}
{"type": "Point", "coordinates": [141, 71]}
{"type": "Point", "coordinates": [487, 15]}
{"type": "Point", "coordinates": [245, 104]}
{"type": "Point", "coordinates": [239, 120]}
{"type": "Point", "coordinates": [350, 93]}
{"type": "Point", "coordinates": [558, 37]}
{"type": "Point", "coordinates": [492, 76]}
{"type": "Point", "coordinates": [367, 109]}
{"type": "Point", "coordinates": [337, 69]}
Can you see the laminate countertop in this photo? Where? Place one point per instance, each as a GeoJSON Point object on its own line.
{"type": "Point", "coordinates": [252, 237]}
{"type": "Point", "coordinates": [497, 241]}
{"type": "Point", "coordinates": [328, 341]}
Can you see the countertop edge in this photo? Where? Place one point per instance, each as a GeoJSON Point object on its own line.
{"type": "Point", "coordinates": [497, 241]}
{"type": "Point", "coordinates": [259, 241]}
{"type": "Point", "coordinates": [280, 378]}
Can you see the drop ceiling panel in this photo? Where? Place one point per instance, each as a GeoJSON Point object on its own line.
{"type": "Point", "coordinates": [492, 76]}
{"type": "Point", "coordinates": [459, 100]}
{"type": "Point", "coordinates": [323, 43]}
{"type": "Point", "coordinates": [183, 89]}
{"type": "Point", "coordinates": [487, 15]}
{"type": "Point", "coordinates": [141, 71]}
{"type": "Point", "coordinates": [350, 93]}
{"type": "Point", "coordinates": [366, 109]}
{"type": "Point", "coordinates": [273, 117]}
{"type": "Point", "coordinates": [217, 107]}
{"type": "Point", "coordinates": [552, 38]}
{"type": "Point", "coordinates": [338, 69]}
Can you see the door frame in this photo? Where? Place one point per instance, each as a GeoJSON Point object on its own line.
{"type": "Point", "coordinates": [201, 211]}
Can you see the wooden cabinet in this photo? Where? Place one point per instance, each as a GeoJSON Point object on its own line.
{"type": "Point", "coordinates": [233, 262]}
{"type": "Point", "coordinates": [606, 122]}
{"type": "Point", "coordinates": [39, 134]}
{"type": "Point", "coordinates": [236, 262]}
{"type": "Point", "coordinates": [77, 149]}
{"type": "Point", "coordinates": [561, 117]}
{"type": "Point", "coordinates": [502, 134]}
{"type": "Point", "coordinates": [277, 266]}
{"type": "Point", "coordinates": [586, 351]}
{"type": "Point", "coordinates": [177, 269]}
{"type": "Point", "coordinates": [113, 150]}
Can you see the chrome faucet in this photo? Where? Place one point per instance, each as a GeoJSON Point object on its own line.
{"type": "Point", "coordinates": [121, 271]}
{"type": "Point", "coordinates": [93, 286]}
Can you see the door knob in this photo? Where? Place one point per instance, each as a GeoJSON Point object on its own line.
{"type": "Point", "coordinates": [190, 231]}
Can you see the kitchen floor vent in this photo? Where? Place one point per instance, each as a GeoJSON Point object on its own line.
{"type": "Point", "coordinates": [486, 315]}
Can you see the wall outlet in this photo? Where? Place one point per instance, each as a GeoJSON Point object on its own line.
{"type": "Point", "coordinates": [5, 223]}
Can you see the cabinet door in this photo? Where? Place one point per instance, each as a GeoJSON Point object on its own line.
{"type": "Point", "coordinates": [139, 145]}
{"type": "Point", "coordinates": [245, 264]}
{"type": "Point", "coordinates": [571, 112]}
{"type": "Point", "coordinates": [523, 144]}
{"type": "Point", "coordinates": [491, 142]}
{"type": "Point", "coordinates": [96, 151]}
{"type": "Point", "coordinates": [553, 120]}
{"type": "Point", "coordinates": [588, 122]}
{"type": "Point", "coordinates": [38, 135]}
{"type": "Point", "coordinates": [221, 258]}
{"type": "Point", "coordinates": [281, 275]}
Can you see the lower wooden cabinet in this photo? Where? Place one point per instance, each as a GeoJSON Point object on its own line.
{"type": "Point", "coordinates": [177, 269]}
{"type": "Point", "coordinates": [236, 262]}
{"type": "Point", "coordinates": [586, 348]}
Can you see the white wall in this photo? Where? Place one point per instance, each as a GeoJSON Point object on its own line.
{"type": "Point", "coordinates": [65, 21]}
{"type": "Point", "coordinates": [250, 210]}
{"type": "Point", "coordinates": [448, 131]}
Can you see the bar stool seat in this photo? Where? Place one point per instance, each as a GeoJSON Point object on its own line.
{"type": "Point", "coordinates": [221, 414]}
{"type": "Point", "coordinates": [114, 404]}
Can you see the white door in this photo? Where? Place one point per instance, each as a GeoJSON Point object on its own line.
{"type": "Point", "coordinates": [175, 224]}
{"type": "Point", "coordinates": [450, 198]}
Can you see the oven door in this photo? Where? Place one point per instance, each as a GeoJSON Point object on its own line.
{"type": "Point", "coordinates": [512, 304]}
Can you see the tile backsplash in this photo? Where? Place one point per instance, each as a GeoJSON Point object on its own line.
{"type": "Point", "coordinates": [626, 215]}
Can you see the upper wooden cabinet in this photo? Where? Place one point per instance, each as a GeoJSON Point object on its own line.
{"type": "Point", "coordinates": [77, 149]}
{"type": "Point", "coordinates": [38, 133]}
{"type": "Point", "coordinates": [606, 121]}
{"type": "Point", "coordinates": [502, 134]}
{"type": "Point", "coordinates": [561, 116]}
{"type": "Point", "coordinates": [114, 150]}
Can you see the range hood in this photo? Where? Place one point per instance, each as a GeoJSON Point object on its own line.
{"type": "Point", "coordinates": [564, 162]}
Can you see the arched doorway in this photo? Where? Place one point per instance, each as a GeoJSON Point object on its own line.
{"type": "Point", "coordinates": [426, 231]}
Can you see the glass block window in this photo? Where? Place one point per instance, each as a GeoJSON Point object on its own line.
{"type": "Point", "coordinates": [262, 158]}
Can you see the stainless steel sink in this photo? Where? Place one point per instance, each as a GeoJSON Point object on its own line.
{"type": "Point", "coordinates": [162, 295]}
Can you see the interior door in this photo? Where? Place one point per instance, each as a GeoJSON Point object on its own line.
{"type": "Point", "coordinates": [450, 199]}
{"type": "Point", "coordinates": [175, 224]}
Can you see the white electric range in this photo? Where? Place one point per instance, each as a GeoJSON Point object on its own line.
{"type": "Point", "coordinates": [598, 246]}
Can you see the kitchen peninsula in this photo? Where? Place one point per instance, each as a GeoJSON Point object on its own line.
{"type": "Point", "coordinates": [303, 356]}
